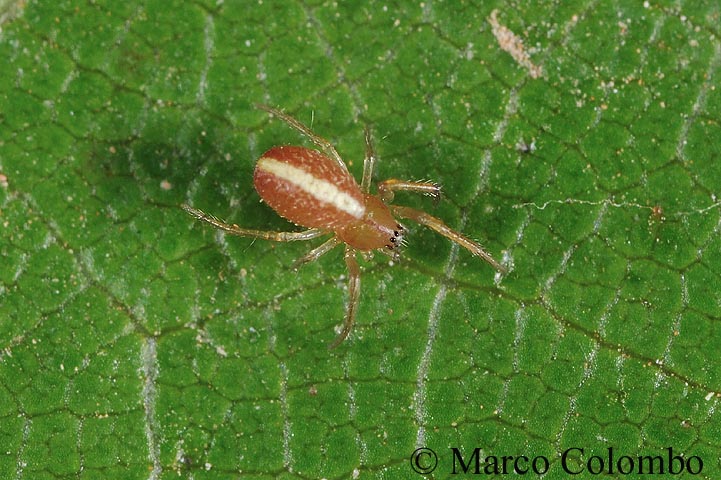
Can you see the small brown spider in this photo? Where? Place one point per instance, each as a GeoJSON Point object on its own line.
{"type": "Point", "coordinates": [316, 190]}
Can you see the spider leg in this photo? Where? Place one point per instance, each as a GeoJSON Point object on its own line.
{"type": "Point", "coordinates": [368, 162]}
{"type": "Point", "coordinates": [316, 253]}
{"type": "Point", "coordinates": [312, 136]}
{"type": "Point", "coordinates": [437, 224]}
{"type": "Point", "coordinates": [387, 188]}
{"type": "Point", "coordinates": [247, 232]}
{"type": "Point", "coordinates": [353, 296]}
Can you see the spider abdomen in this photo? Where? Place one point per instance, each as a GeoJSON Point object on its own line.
{"type": "Point", "coordinates": [308, 188]}
{"type": "Point", "coordinates": [312, 190]}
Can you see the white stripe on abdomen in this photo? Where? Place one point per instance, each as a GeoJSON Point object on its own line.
{"type": "Point", "coordinates": [320, 189]}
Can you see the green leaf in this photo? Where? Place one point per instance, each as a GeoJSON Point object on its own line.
{"type": "Point", "coordinates": [136, 342]}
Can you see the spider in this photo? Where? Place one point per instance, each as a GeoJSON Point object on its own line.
{"type": "Point", "coordinates": [315, 190]}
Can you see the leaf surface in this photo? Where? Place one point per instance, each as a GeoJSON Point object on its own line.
{"type": "Point", "coordinates": [137, 343]}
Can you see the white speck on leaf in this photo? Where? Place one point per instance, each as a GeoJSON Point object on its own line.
{"type": "Point", "coordinates": [513, 44]}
